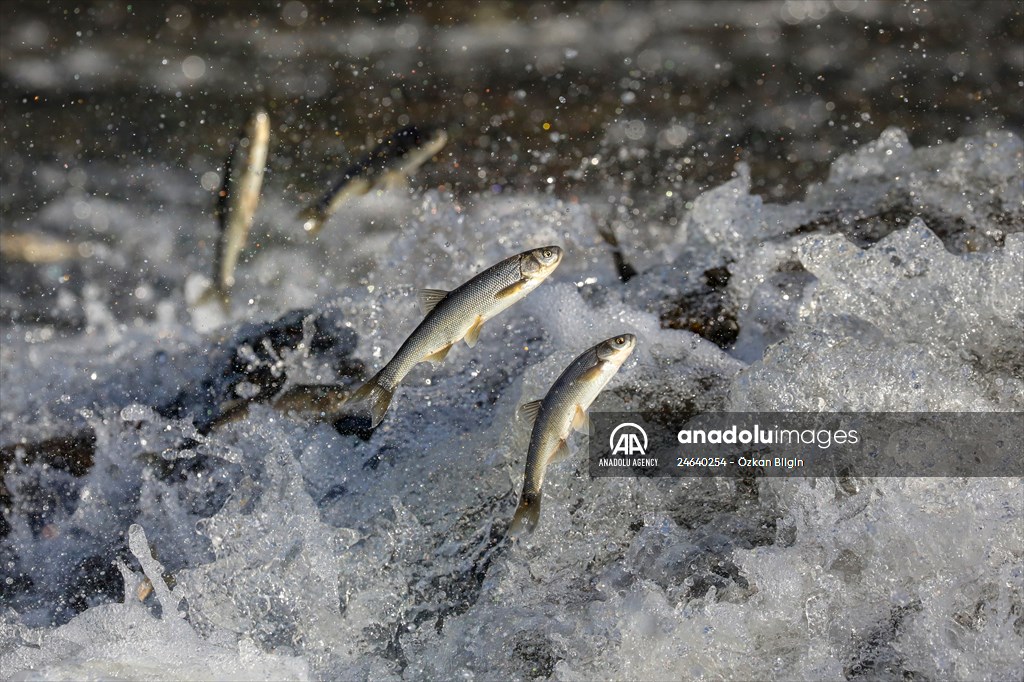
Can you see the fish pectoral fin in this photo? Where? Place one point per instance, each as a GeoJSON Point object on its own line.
{"type": "Point", "coordinates": [580, 420]}
{"type": "Point", "coordinates": [561, 452]}
{"type": "Point", "coordinates": [429, 298]}
{"type": "Point", "coordinates": [528, 411]}
{"type": "Point", "coordinates": [438, 356]}
{"type": "Point", "coordinates": [473, 334]}
{"type": "Point", "coordinates": [593, 373]}
{"type": "Point", "coordinates": [511, 290]}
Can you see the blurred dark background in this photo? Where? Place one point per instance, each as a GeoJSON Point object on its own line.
{"type": "Point", "coordinates": [568, 97]}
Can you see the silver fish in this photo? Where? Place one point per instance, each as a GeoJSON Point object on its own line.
{"type": "Point", "coordinates": [455, 315]}
{"type": "Point", "coordinates": [396, 157]}
{"type": "Point", "coordinates": [237, 200]}
{"type": "Point", "coordinates": [29, 247]}
{"type": "Point", "coordinates": [561, 411]}
{"type": "Point", "coordinates": [319, 402]}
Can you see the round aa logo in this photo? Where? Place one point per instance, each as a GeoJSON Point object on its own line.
{"type": "Point", "coordinates": [628, 439]}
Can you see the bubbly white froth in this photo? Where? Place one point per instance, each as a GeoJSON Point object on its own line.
{"type": "Point", "coordinates": [334, 557]}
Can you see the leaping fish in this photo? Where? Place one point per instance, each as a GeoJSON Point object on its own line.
{"type": "Point", "coordinates": [561, 411]}
{"type": "Point", "coordinates": [396, 157]}
{"type": "Point", "coordinates": [237, 200]}
{"type": "Point", "coordinates": [455, 315]}
{"type": "Point", "coordinates": [27, 247]}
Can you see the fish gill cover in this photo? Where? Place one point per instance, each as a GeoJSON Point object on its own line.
{"type": "Point", "coordinates": [166, 515]}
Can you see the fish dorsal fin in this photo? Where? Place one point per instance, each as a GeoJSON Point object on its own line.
{"type": "Point", "coordinates": [528, 411]}
{"type": "Point", "coordinates": [580, 420]}
{"type": "Point", "coordinates": [511, 290]}
{"type": "Point", "coordinates": [474, 332]}
{"type": "Point", "coordinates": [439, 355]}
{"type": "Point", "coordinates": [429, 298]}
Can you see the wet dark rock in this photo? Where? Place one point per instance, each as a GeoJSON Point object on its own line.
{"type": "Point", "coordinates": [707, 311]}
{"type": "Point", "coordinates": [255, 355]}
{"type": "Point", "coordinates": [877, 658]}
{"type": "Point", "coordinates": [72, 453]}
{"type": "Point", "coordinates": [354, 425]}
{"type": "Point", "coordinates": [537, 654]}
{"type": "Point", "coordinates": [97, 580]}
{"type": "Point", "coordinates": [865, 228]}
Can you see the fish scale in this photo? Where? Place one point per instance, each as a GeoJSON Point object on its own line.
{"type": "Point", "coordinates": [556, 413]}
{"type": "Point", "coordinates": [556, 416]}
{"type": "Point", "coordinates": [458, 314]}
{"type": "Point", "coordinates": [237, 201]}
{"type": "Point", "coordinates": [447, 323]}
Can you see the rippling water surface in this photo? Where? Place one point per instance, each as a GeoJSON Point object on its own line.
{"type": "Point", "coordinates": [823, 205]}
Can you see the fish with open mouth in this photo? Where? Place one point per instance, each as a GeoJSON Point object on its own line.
{"type": "Point", "coordinates": [396, 157]}
{"type": "Point", "coordinates": [561, 411]}
{"type": "Point", "coordinates": [457, 315]}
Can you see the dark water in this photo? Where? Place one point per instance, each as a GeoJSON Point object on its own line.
{"type": "Point", "coordinates": [667, 95]}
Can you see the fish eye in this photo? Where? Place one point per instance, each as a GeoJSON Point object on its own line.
{"type": "Point", "coordinates": [619, 340]}
{"type": "Point", "coordinates": [547, 253]}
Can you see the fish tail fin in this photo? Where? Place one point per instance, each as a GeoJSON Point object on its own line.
{"type": "Point", "coordinates": [526, 517]}
{"type": "Point", "coordinates": [378, 396]}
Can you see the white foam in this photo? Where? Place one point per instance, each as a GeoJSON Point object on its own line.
{"type": "Point", "coordinates": [298, 552]}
